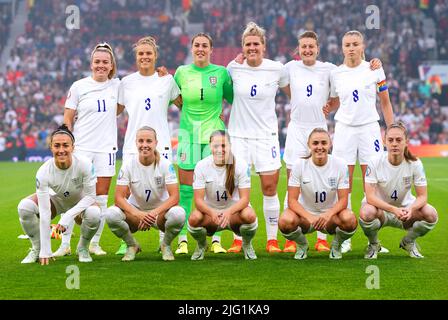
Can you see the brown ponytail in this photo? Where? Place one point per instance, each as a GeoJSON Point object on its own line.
{"type": "Point", "coordinates": [230, 174]}
{"type": "Point", "coordinates": [408, 156]}
{"type": "Point", "coordinates": [230, 166]}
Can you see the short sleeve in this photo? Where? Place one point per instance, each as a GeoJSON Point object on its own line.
{"type": "Point", "coordinates": [243, 176]}
{"type": "Point", "coordinates": [121, 93]}
{"type": "Point", "coordinates": [199, 177]}
{"type": "Point", "coordinates": [284, 77]}
{"type": "Point", "coordinates": [72, 98]}
{"type": "Point", "coordinates": [175, 91]}
{"type": "Point", "coordinates": [227, 87]}
{"type": "Point", "coordinates": [295, 179]}
{"type": "Point", "coordinates": [230, 67]}
{"type": "Point", "coordinates": [178, 77]}
{"type": "Point", "coordinates": [124, 176]}
{"type": "Point", "coordinates": [169, 173]}
{"type": "Point", "coordinates": [333, 93]}
{"type": "Point", "coordinates": [419, 175]}
{"type": "Point", "coordinates": [344, 182]}
{"type": "Point", "coordinates": [381, 80]}
{"type": "Point", "coordinates": [371, 174]}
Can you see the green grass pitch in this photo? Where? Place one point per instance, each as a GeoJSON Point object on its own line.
{"type": "Point", "coordinates": [226, 276]}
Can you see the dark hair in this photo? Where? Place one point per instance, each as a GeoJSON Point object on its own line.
{"type": "Point", "coordinates": [230, 166]}
{"type": "Point", "coordinates": [315, 130]}
{"type": "Point", "coordinates": [205, 35]}
{"type": "Point", "coordinates": [156, 152]}
{"type": "Point", "coordinates": [400, 125]}
{"type": "Point", "coordinates": [63, 129]}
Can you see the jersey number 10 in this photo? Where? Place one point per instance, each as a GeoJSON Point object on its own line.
{"type": "Point", "coordinates": [322, 196]}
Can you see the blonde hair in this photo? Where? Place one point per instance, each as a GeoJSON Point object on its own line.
{"type": "Point", "coordinates": [156, 152]}
{"type": "Point", "coordinates": [408, 156]}
{"type": "Point", "coordinates": [105, 47]}
{"type": "Point", "coordinates": [146, 40]}
{"type": "Point", "coordinates": [252, 29]}
{"type": "Point", "coordinates": [359, 34]}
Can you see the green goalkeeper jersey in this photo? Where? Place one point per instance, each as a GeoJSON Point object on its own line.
{"type": "Point", "coordinates": [202, 91]}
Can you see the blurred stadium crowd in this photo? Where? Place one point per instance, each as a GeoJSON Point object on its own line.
{"type": "Point", "coordinates": [48, 57]}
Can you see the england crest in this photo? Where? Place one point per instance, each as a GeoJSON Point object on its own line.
{"type": "Point", "coordinates": [158, 180]}
{"type": "Point", "coordinates": [332, 181]}
{"type": "Point", "coordinates": [213, 80]}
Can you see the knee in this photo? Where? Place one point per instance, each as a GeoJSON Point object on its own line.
{"type": "Point", "coordinates": [348, 220]}
{"type": "Point", "coordinates": [368, 213]}
{"type": "Point", "coordinates": [113, 214]}
{"type": "Point", "coordinates": [286, 224]}
{"type": "Point", "coordinates": [92, 215]}
{"type": "Point", "coordinates": [270, 189]}
{"type": "Point", "coordinates": [177, 215]}
{"type": "Point", "coordinates": [430, 214]}
{"type": "Point", "coordinates": [248, 216]}
{"type": "Point", "coordinates": [195, 219]}
{"type": "Point", "coordinates": [27, 208]}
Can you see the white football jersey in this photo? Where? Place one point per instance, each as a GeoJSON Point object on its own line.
{"type": "Point", "coordinates": [319, 185]}
{"type": "Point", "coordinates": [254, 89]}
{"type": "Point", "coordinates": [393, 183]}
{"type": "Point", "coordinates": [147, 184]}
{"type": "Point", "coordinates": [310, 91]}
{"type": "Point", "coordinates": [357, 91]}
{"type": "Point", "coordinates": [147, 99]}
{"type": "Point", "coordinates": [65, 188]}
{"type": "Point", "coordinates": [212, 178]}
{"type": "Point", "coordinates": [95, 128]}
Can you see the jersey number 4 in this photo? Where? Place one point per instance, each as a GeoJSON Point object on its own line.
{"type": "Point", "coordinates": [394, 195]}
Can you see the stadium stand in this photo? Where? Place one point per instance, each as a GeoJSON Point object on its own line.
{"type": "Point", "coordinates": [48, 57]}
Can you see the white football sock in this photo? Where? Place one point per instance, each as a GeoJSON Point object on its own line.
{"type": "Point", "coordinates": [102, 202]}
{"type": "Point", "coordinates": [296, 236]}
{"type": "Point", "coordinates": [89, 226]}
{"type": "Point", "coordinates": [271, 208]}
{"type": "Point", "coordinates": [116, 220]}
{"type": "Point", "coordinates": [248, 231]}
{"type": "Point", "coordinates": [371, 229]}
{"type": "Point", "coordinates": [67, 235]}
{"type": "Point", "coordinates": [175, 219]}
{"type": "Point", "coordinates": [419, 229]}
{"type": "Point", "coordinates": [199, 234]}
